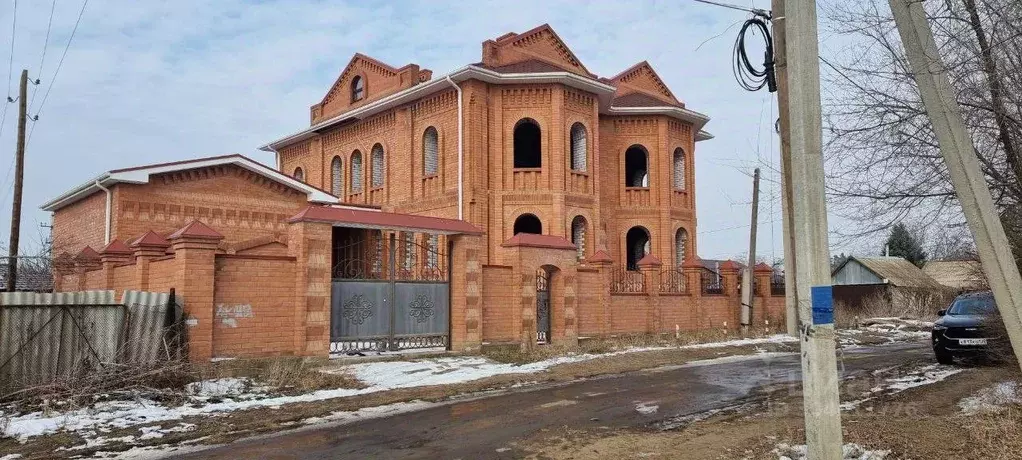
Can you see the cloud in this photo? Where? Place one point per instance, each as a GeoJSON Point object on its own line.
{"type": "Point", "coordinates": [161, 81]}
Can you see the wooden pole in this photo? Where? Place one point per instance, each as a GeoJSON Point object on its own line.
{"type": "Point", "coordinates": [19, 176]}
{"type": "Point", "coordinates": [748, 282]}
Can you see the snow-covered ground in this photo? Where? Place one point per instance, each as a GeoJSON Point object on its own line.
{"type": "Point", "coordinates": [992, 399]}
{"type": "Point", "coordinates": [924, 375]}
{"type": "Point", "coordinates": [212, 397]}
{"type": "Point", "coordinates": [850, 451]}
{"type": "Point", "coordinates": [891, 329]}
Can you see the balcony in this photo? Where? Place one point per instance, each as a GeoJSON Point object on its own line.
{"type": "Point", "coordinates": [526, 178]}
{"type": "Point", "coordinates": [637, 196]}
{"type": "Point", "coordinates": [431, 185]}
{"type": "Point", "coordinates": [578, 182]}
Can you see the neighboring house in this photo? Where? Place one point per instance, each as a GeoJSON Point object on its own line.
{"type": "Point", "coordinates": [960, 275]}
{"type": "Point", "coordinates": [34, 275]}
{"type": "Point", "coordinates": [892, 279]}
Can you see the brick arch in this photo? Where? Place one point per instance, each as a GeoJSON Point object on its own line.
{"type": "Point", "coordinates": [509, 224]}
{"type": "Point", "coordinates": [688, 252]}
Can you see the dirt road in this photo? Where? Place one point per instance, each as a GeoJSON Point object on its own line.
{"type": "Point", "coordinates": [492, 427]}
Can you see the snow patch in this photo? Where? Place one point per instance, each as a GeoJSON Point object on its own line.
{"type": "Point", "coordinates": [850, 451]}
{"type": "Point", "coordinates": [992, 399]}
{"type": "Point", "coordinates": [646, 408]}
{"type": "Point", "coordinates": [924, 375]}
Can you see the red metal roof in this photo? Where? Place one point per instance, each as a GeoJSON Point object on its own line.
{"type": "Point", "coordinates": [533, 240]}
{"type": "Point", "coordinates": [641, 100]}
{"type": "Point", "coordinates": [116, 247]}
{"type": "Point", "coordinates": [151, 238]}
{"type": "Point", "coordinates": [196, 229]}
{"type": "Point", "coordinates": [762, 267]}
{"type": "Point", "coordinates": [379, 220]}
{"type": "Point", "coordinates": [649, 261]}
{"type": "Point", "coordinates": [88, 254]}
{"type": "Point", "coordinates": [600, 256]}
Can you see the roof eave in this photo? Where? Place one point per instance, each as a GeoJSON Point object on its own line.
{"type": "Point", "coordinates": [698, 120]}
{"type": "Point", "coordinates": [604, 92]}
{"type": "Point", "coordinates": [78, 192]}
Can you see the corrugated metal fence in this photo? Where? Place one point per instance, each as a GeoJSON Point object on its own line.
{"type": "Point", "coordinates": [47, 337]}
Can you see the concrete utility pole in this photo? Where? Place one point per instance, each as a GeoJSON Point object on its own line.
{"type": "Point", "coordinates": [809, 232]}
{"type": "Point", "coordinates": [784, 130]}
{"type": "Point", "coordinates": [963, 165]}
{"type": "Point", "coordinates": [747, 277]}
{"type": "Point", "coordinates": [19, 173]}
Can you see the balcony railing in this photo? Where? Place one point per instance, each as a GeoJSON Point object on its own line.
{"type": "Point", "coordinates": [637, 196]}
{"type": "Point", "coordinates": [679, 198]}
{"type": "Point", "coordinates": [431, 185]}
{"type": "Point", "coordinates": [578, 182]}
{"type": "Point", "coordinates": [526, 178]}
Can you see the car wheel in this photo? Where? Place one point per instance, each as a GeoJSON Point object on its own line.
{"type": "Point", "coordinates": [943, 357]}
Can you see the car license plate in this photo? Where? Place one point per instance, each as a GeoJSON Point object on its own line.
{"type": "Point", "coordinates": [972, 341]}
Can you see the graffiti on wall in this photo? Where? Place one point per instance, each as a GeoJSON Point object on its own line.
{"type": "Point", "coordinates": [228, 315]}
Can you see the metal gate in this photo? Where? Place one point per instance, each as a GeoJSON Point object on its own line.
{"type": "Point", "coordinates": [389, 295]}
{"type": "Point", "coordinates": [542, 306]}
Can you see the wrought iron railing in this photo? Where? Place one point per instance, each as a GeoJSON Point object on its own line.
{"type": "Point", "coordinates": [369, 255]}
{"type": "Point", "coordinates": [672, 281]}
{"type": "Point", "coordinates": [777, 285]}
{"type": "Point", "coordinates": [627, 281]}
{"type": "Point", "coordinates": [712, 283]}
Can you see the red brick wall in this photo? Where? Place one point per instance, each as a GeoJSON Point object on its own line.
{"type": "Point", "coordinates": [592, 313]}
{"type": "Point", "coordinates": [499, 302]}
{"type": "Point", "coordinates": [161, 275]}
{"type": "Point", "coordinates": [80, 224]}
{"type": "Point", "coordinates": [254, 306]}
{"type": "Point", "coordinates": [628, 313]}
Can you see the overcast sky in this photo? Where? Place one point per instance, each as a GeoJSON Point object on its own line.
{"type": "Point", "coordinates": [148, 81]}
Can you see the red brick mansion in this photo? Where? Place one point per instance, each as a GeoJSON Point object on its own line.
{"type": "Point", "coordinates": [520, 199]}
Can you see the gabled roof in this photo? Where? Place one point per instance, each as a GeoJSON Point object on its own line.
{"type": "Point", "coordinates": [958, 274]}
{"type": "Point", "coordinates": [141, 175]}
{"type": "Point", "coordinates": [533, 37]}
{"type": "Point", "coordinates": [641, 76]}
{"type": "Point", "coordinates": [895, 271]}
{"type": "Point", "coordinates": [351, 217]}
{"type": "Point", "coordinates": [381, 67]}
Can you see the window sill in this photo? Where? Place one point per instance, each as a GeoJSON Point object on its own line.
{"type": "Point", "coordinates": [540, 169]}
{"type": "Point", "coordinates": [636, 188]}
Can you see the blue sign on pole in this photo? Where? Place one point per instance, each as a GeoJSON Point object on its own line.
{"type": "Point", "coordinates": [823, 304]}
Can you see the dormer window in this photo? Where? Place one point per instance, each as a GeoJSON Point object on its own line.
{"type": "Point", "coordinates": [357, 89]}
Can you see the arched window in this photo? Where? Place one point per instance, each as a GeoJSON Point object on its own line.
{"type": "Point", "coordinates": [299, 174]}
{"type": "Point", "coordinates": [528, 223]}
{"type": "Point", "coordinates": [680, 244]}
{"type": "Point", "coordinates": [637, 246]}
{"type": "Point", "coordinates": [528, 147]}
{"type": "Point", "coordinates": [430, 154]}
{"type": "Point", "coordinates": [679, 169]}
{"type": "Point", "coordinates": [578, 235]}
{"type": "Point", "coordinates": [337, 176]}
{"type": "Point", "coordinates": [378, 166]}
{"type": "Point", "coordinates": [578, 147]}
{"type": "Point", "coordinates": [356, 172]}
{"type": "Point", "coordinates": [636, 167]}
{"type": "Point", "coordinates": [357, 89]}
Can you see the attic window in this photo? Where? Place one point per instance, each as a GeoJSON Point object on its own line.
{"type": "Point", "coordinates": [357, 89]}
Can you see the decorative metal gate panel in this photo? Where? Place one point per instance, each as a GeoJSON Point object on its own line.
{"type": "Point", "coordinates": [542, 306]}
{"type": "Point", "coordinates": [393, 305]}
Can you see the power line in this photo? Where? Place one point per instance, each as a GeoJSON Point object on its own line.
{"type": "Point", "coordinates": [10, 61]}
{"type": "Point", "coordinates": [756, 11]}
{"type": "Point", "coordinates": [42, 59]}
{"type": "Point", "coordinates": [59, 64]}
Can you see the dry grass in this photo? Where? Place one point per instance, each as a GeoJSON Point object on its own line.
{"type": "Point", "coordinates": [920, 305]}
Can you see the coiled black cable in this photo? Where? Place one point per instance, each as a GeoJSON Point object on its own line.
{"type": "Point", "coordinates": [748, 76]}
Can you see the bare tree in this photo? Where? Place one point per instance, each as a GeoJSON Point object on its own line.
{"type": "Point", "coordinates": [883, 162]}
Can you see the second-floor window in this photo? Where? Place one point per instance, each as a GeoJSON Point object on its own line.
{"type": "Point", "coordinates": [378, 165]}
{"type": "Point", "coordinates": [679, 169]}
{"type": "Point", "coordinates": [430, 153]}
{"type": "Point", "coordinates": [527, 144]}
{"type": "Point", "coordinates": [636, 167]}
{"type": "Point", "coordinates": [356, 172]}
{"type": "Point", "coordinates": [337, 176]}
{"type": "Point", "coordinates": [578, 147]}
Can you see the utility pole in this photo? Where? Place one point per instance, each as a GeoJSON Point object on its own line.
{"type": "Point", "coordinates": [960, 157]}
{"type": "Point", "coordinates": [748, 282]}
{"type": "Point", "coordinates": [807, 201]}
{"type": "Point", "coordinates": [19, 173]}
{"type": "Point", "coordinates": [784, 130]}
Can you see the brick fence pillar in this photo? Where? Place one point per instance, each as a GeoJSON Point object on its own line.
{"type": "Point", "coordinates": [466, 293]}
{"type": "Point", "coordinates": [309, 242]}
{"type": "Point", "coordinates": [603, 262]}
{"type": "Point", "coordinates": [195, 252]}
{"type": "Point", "coordinates": [649, 266]}
{"type": "Point", "coordinates": [113, 254]}
{"type": "Point", "coordinates": [148, 247]}
{"type": "Point", "coordinates": [729, 274]}
{"type": "Point", "coordinates": [762, 273]}
{"type": "Point", "coordinates": [693, 270]}
{"type": "Point", "coordinates": [85, 261]}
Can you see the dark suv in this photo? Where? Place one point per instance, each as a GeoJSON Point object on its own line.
{"type": "Point", "coordinates": [965, 328]}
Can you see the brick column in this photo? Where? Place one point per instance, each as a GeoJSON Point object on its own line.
{"type": "Point", "coordinates": [309, 243]}
{"type": "Point", "coordinates": [603, 261]}
{"type": "Point", "coordinates": [87, 260]}
{"type": "Point", "coordinates": [113, 254]}
{"type": "Point", "coordinates": [195, 251]}
{"type": "Point", "coordinates": [729, 273]}
{"type": "Point", "coordinates": [649, 266]}
{"type": "Point", "coordinates": [693, 270]}
{"type": "Point", "coordinates": [148, 247]}
{"type": "Point", "coordinates": [762, 273]}
{"type": "Point", "coordinates": [466, 293]}
{"type": "Point", "coordinates": [570, 315]}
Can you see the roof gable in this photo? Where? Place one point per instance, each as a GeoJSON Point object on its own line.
{"type": "Point", "coordinates": [380, 79]}
{"type": "Point", "coordinates": [540, 43]}
{"type": "Point", "coordinates": [642, 78]}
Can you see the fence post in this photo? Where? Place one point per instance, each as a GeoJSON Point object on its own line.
{"type": "Point", "coordinates": [762, 273]}
{"type": "Point", "coordinates": [603, 262]}
{"type": "Point", "coordinates": [194, 252]}
{"type": "Point", "coordinates": [87, 260]}
{"type": "Point", "coordinates": [729, 276]}
{"type": "Point", "coordinates": [650, 268]}
{"type": "Point", "coordinates": [693, 270]}
{"type": "Point", "coordinates": [146, 248]}
{"type": "Point", "coordinates": [466, 291]}
{"type": "Point", "coordinates": [113, 254]}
